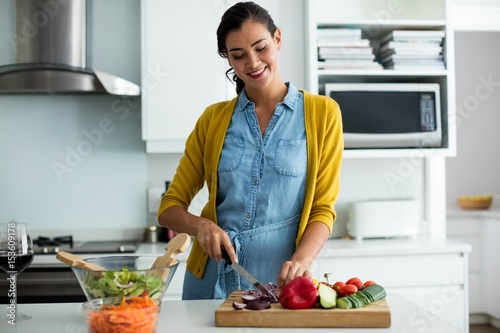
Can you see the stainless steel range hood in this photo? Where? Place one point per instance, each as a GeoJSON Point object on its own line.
{"type": "Point", "coordinates": [51, 55]}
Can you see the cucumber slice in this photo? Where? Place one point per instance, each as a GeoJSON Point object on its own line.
{"type": "Point", "coordinates": [343, 303]}
{"type": "Point", "coordinates": [366, 298]}
{"type": "Point", "coordinates": [360, 301]}
{"type": "Point", "coordinates": [356, 301]}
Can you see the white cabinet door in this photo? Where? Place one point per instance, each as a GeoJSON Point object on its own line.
{"type": "Point", "coordinates": [490, 266]}
{"type": "Point", "coordinates": [436, 281]}
{"type": "Point", "coordinates": [182, 72]}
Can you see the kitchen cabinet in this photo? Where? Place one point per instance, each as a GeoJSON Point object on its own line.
{"type": "Point", "coordinates": [480, 229]}
{"type": "Point", "coordinates": [182, 72]}
{"type": "Point", "coordinates": [430, 272]}
{"type": "Point", "coordinates": [467, 229]}
{"type": "Point", "coordinates": [489, 254]}
{"type": "Point", "coordinates": [376, 19]}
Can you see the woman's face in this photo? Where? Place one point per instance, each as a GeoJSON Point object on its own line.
{"type": "Point", "coordinates": [253, 53]}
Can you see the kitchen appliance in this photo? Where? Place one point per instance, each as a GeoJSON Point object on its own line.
{"type": "Point", "coordinates": [389, 115]}
{"type": "Point", "coordinates": [55, 282]}
{"type": "Point", "coordinates": [51, 52]}
{"type": "Point", "coordinates": [383, 219]}
{"type": "Point", "coordinates": [46, 245]}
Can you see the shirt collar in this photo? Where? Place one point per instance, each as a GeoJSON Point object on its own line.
{"type": "Point", "coordinates": [290, 99]}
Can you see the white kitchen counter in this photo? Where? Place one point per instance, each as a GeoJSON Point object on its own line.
{"type": "Point", "coordinates": [199, 316]}
{"type": "Point", "coordinates": [493, 212]}
{"type": "Point", "coordinates": [333, 248]}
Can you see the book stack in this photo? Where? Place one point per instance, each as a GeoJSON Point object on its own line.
{"type": "Point", "coordinates": [413, 49]}
{"type": "Point", "coordinates": [344, 49]}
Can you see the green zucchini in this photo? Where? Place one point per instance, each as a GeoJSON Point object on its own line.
{"type": "Point", "coordinates": [377, 292]}
{"type": "Point", "coordinates": [362, 298]}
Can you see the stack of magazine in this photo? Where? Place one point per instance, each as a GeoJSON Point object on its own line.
{"type": "Point", "coordinates": [413, 49]}
{"type": "Point", "coordinates": [340, 48]}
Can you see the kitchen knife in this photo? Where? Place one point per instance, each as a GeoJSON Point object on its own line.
{"type": "Point", "coordinates": [247, 276]}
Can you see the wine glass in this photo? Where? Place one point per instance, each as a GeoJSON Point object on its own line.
{"type": "Point", "coordinates": [16, 253]}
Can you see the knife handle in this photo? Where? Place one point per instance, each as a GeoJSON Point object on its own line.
{"type": "Point", "coordinates": [225, 255]}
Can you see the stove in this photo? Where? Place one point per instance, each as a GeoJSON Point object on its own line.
{"type": "Point", "coordinates": [57, 283]}
{"type": "Point", "coordinates": [46, 245]}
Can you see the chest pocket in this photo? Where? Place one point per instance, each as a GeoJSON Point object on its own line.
{"type": "Point", "coordinates": [232, 153]}
{"type": "Point", "coordinates": [291, 157]}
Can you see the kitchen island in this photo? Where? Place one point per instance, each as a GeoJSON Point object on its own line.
{"type": "Point", "coordinates": [199, 316]}
{"type": "Point", "coordinates": [430, 272]}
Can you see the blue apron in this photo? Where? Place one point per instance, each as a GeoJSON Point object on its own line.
{"type": "Point", "coordinates": [262, 222]}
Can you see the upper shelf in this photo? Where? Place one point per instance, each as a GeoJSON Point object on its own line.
{"type": "Point", "coordinates": [364, 72]}
{"type": "Point", "coordinates": [380, 12]}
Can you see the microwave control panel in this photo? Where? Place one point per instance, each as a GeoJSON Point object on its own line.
{"type": "Point", "coordinates": [427, 112]}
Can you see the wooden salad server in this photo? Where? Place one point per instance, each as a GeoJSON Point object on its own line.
{"type": "Point", "coordinates": [74, 260]}
{"type": "Point", "coordinates": [175, 246]}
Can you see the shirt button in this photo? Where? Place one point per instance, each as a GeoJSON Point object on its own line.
{"type": "Point", "coordinates": [255, 182]}
{"type": "Point", "coordinates": [249, 216]}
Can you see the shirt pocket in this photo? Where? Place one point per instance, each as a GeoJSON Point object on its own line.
{"type": "Point", "coordinates": [291, 157]}
{"type": "Point", "coordinates": [232, 153]}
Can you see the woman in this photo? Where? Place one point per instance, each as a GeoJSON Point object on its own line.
{"type": "Point", "coordinates": [271, 160]}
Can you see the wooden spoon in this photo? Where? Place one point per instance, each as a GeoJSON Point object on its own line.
{"type": "Point", "coordinates": [74, 260]}
{"type": "Point", "coordinates": [175, 246]}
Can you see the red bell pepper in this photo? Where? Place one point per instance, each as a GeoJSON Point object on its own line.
{"type": "Point", "coordinates": [300, 293]}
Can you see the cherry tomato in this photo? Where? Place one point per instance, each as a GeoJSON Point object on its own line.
{"type": "Point", "coordinates": [337, 285]}
{"type": "Point", "coordinates": [368, 283]}
{"type": "Point", "coordinates": [348, 289]}
{"type": "Point", "coordinates": [355, 281]}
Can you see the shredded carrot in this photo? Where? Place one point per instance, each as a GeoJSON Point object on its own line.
{"type": "Point", "coordinates": [135, 315]}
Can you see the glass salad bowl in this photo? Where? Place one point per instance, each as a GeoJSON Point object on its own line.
{"type": "Point", "coordinates": [115, 314]}
{"type": "Point", "coordinates": [125, 276]}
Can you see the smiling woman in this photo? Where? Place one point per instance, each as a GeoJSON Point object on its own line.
{"type": "Point", "coordinates": [271, 160]}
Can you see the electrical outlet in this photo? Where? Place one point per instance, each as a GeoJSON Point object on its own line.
{"type": "Point", "coordinates": [154, 198]}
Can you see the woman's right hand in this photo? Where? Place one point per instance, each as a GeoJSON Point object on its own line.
{"type": "Point", "coordinates": [211, 237]}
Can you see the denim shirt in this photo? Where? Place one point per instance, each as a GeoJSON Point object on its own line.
{"type": "Point", "coordinates": [260, 194]}
{"type": "Point", "coordinates": [262, 178]}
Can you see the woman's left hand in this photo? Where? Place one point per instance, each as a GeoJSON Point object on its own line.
{"type": "Point", "coordinates": [289, 271]}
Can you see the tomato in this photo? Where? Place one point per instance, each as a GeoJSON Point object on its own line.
{"type": "Point", "coordinates": [348, 289]}
{"type": "Point", "coordinates": [337, 285]}
{"type": "Point", "coordinates": [368, 283]}
{"type": "Point", "coordinates": [355, 281]}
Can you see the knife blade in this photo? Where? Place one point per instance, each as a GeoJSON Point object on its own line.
{"type": "Point", "coordinates": [247, 276]}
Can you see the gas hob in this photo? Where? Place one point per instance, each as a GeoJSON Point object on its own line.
{"type": "Point", "coordinates": [46, 245]}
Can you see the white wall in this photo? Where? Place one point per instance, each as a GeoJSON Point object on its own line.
{"type": "Point", "coordinates": [476, 168]}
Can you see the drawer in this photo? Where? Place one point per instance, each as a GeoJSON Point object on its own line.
{"type": "Point", "coordinates": [397, 271]}
{"type": "Point", "coordinates": [442, 303]}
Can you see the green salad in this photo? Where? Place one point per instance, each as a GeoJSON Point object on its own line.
{"type": "Point", "coordinates": [123, 283]}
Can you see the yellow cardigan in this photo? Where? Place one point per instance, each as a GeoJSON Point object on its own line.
{"type": "Point", "coordinates": [201, 157]}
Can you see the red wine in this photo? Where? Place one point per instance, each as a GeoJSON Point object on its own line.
{"type": "Point", "coordinates": [16, 263]}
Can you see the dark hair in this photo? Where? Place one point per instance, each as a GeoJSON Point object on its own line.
{"type": "Point", "coordinates": [233, 19]}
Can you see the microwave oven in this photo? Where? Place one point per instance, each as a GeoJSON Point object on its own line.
{"type": "Point", "coordinates": [389, 115]}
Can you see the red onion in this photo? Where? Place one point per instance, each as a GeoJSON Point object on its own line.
{"type": "Point", "coordinates": [258, 305]}
{"type": "Point", "coordinates": [238, 306]}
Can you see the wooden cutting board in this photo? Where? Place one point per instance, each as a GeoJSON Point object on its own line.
{"type": "Point", "coordinates": [373, 315]}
